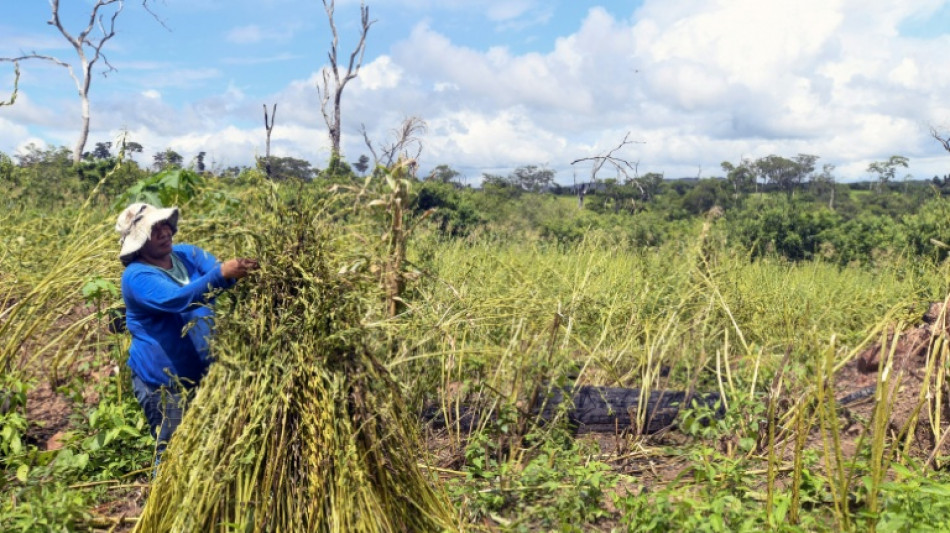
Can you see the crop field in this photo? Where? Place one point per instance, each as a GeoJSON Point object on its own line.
{"type": "Point", "coordinates": [385, 370]}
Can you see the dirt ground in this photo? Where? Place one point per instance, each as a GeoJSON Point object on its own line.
{"type": "Point", "coordinates": [52, 404]}
{"type": "Point", "coordinates": [914, 394]}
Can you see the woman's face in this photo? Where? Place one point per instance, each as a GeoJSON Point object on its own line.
{"type": "Point", "coordinates": [159, 243]}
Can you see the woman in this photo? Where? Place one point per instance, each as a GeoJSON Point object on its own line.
{"type": "Point", "coordinates": [168, 292]}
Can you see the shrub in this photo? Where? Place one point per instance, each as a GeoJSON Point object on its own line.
{"type": "Point", "coordinates": [784, 229]}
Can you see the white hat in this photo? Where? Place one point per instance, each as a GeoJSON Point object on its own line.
{"type": "Point", "coordinates": [135, 227]}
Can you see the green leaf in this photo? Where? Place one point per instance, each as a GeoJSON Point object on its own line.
{"type": "Point", "coordinates": [746, 444]}
{"type": "Point", "coordinates": [22, 472]}
{"type": "Point", "coordinates": [95, 442]}
{"type": "Point", "coordinates": [938, 490]}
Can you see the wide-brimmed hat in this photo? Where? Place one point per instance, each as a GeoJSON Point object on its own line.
{"type": "Point", "coordinates": [135, 227]}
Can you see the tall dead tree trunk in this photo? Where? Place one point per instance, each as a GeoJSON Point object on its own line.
{"type": "Point", "coordinates": [333, 82]}
{"type": "Point", "coordinates": [269, 126]}
{"type": "Point", "coordinates": [89, 51]}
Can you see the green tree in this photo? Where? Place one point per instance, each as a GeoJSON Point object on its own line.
{"type": "Point", "coordinates": [167, 160]}
{"type": "Point", "coordinates": [103, 150]}
{"type": "Point", "coordinates": [200, 161]}
{"type": "Point", "coordinates": [652, 184]}
{"type": "Point", "coordinates": [47, 173]}
{"type": "Point", "coordinates": [443, 174]}
{"type": "Point", "coordinates": [6, 167]}
{"type": "Point", "coordinates": [497, 185]}
{"type": "Point", "coordinates": [283, 168]}
{"type": "Point", "coordinates": [704, 195]}
{"type": "Point", "coordinates": [532, 178]}
{"type": "Point", "coordinates": [132, 148]}
{"type": "Point", "coordinates": [617, 197]}
{"type": "Point", "coordinates": [33, 156]}
{"type": "Point", "coordinates": [806, 166]}
{"type": "Point", "coordinates": [824, 183]}
{"type": "Point", "coordinates": [786, 174]}
{"type": "Point", "coordinates": [741, 177]}
{"type": "Point", "coordinates": [886, 170]}
{"type": "Point", "coordinates": [362, 164]}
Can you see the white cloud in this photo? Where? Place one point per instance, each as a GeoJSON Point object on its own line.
{"type": "Point", "coordinates": [490, 140]}
{"type": "Point", "coordinates": [255, 34]}
{"type": "Point", "coordinates": [23, 147]}
{"type": "Point", "coordinates": [699, 81]}
{"type": "Point", "coordinates": [181, 77]}
{"type": "Point", "coordinates": [380, 74]}
{"type": "Point", "coordinates": [245, 35]}
{"type": "Point", "coordinates": [502, 11]}
{"type": "Point", "coordinates": [12, 129]}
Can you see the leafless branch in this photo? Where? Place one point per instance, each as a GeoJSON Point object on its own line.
{"type": "Point", "coordinates": [155, 15]}
{"type": "Point", "coordinates": [34, 55]}
{"type": "Point", "coordinates": [405, 138]}
{"type": "Point", "coordinates": [619, 164]}
{"type": "Point", "coordinates": [325, 99]}
{"type": "Point", "coordinates": [369, 144]}
{"type": "Point", "coordinates": [944, 141]}
{"type": "Point", "coordinates": [16, 84]}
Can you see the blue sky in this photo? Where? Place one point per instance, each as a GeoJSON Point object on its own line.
{"type": "Point", "coordinates": [506, 83]}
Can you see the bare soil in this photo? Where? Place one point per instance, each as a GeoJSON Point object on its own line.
{"type": "Point", "coordinates": [55, 401]}
{"type": "Point", "coordinates": [911, 392]}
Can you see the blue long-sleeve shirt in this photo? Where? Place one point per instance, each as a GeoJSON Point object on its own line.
{"type": "Point", "coordinates": [158, 310]}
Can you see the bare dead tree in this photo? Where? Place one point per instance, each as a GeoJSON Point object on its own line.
{"type": "Point", "coordinates": [333, 83]}
{"type": "Point", "coordinates": [16, 84]}
{"type": "Point", "coordinates": [622, 166]}
{"type": "Point", "coordinates": [405, 142]}
{"type": "Point", "coordinates": [269, 126]}
{"type": "Point", "coordinates": [944, 141]}
{"type": "Point", "coordinates": [89, 51]}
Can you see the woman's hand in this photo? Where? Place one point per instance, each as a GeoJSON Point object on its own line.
{"type": "Point", "coordinates": [238, 268]}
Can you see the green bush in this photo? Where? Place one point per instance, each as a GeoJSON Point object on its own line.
{"type": "Point", "coordinates": [928, 231]}
{"type": "Point", "coordinates": [862, 239]}
{"type": "Point", "coordinates": [791, 231]}
{"type": "Point", "coordinates": [451, 212]}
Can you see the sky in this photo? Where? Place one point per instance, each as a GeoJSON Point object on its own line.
{"type": "Point", "coordinates": [502, 84]}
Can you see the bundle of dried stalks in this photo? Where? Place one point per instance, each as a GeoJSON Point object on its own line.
{"type": "Point", "coordinates": [298, 426]}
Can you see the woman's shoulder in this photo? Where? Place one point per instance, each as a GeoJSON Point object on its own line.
{"type": "Point", "coordinates": [186, 248]}
{"type": "Point", "coordinates": [136, 272]}
{"type": "Point", "coordinates": [192, 254]}
{"type": "Point", "coordinates": [188, 251]}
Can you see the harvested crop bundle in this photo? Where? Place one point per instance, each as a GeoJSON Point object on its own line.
{"type": "Point", "coordinates": [298, 426]}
